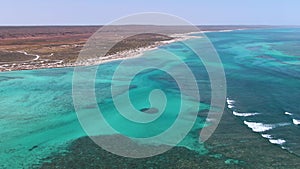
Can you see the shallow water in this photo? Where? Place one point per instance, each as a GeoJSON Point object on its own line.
{"type": "Point", "coordinates": [263, 75]}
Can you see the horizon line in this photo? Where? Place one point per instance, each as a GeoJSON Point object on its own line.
{"type": "Point", "coordinates": [78, 25]}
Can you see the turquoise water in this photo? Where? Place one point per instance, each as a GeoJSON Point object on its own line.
{"type": "Point", "coordinates": [36, 110]}
{"type": "Point", "coordinates": [263, 79]}
{"type": "Point", "coordinates": [37, 115]}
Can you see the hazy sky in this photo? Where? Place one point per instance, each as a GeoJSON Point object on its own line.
{"type": "Point", "coordinates": [95, 12]}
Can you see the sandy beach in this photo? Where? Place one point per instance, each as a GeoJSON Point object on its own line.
{"type": "Point", "coordinates": [132, 53]}
{"type": "Point", "coordinates": [57, 47]}
{"type": "Point", "coordinates": [135, 52]}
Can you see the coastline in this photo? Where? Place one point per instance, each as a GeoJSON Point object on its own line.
{"type": "Point", "coordinates": [39, 62]}
{"type": "Point", "coordinates": [234, 144]}
{"type": "Point", "coordinates": [133, 53]}
{"type": "Point", "coordinates": [126, 54]}
{"type": "Point", "coordinates": [120, 55]}
{"type": "Point", "coordinates": [59, 46]}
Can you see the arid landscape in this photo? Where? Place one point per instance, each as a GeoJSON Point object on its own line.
{"type": "Point", "coordinates": [35, 47]}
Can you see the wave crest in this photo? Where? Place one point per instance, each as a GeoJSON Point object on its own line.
{"type": "Point", "coordinates": [244, 114]}
{"type": "Point", "coordinates": [296, 122]}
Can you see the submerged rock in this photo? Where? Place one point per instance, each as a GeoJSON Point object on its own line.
{"type": "Point", "coordinates": [149, 110]}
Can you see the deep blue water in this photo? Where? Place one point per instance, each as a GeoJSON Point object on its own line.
{"type": "Point", "coordinates": [263, 79]}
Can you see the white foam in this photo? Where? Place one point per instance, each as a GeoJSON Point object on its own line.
{"type": "Point", "coordinates": [272, 140]}
{"type": "Point", "coordinates": [230, 103]}
{"type": "Point", "coordinates": [259, 127]}
{"type": "Point", "coordinates": [288, 113]}
{"type": "Point", "coordinates": [244, 114]}
{"type": "Point", "coordinates": [283, 124]}
{"type": "Point", "coordinates": [268, 136]}
{"type": "Point", "coordinates": [296, 122]}
{"type": "Point", "coordinates": [226, 30]}
{"type": "Point", "coordinates": [230, 106]}
{"type": "Point", "coordinates": [277, 141]}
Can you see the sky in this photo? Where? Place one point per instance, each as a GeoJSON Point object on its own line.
{"type": "Point", "coordinates": [197, 12]}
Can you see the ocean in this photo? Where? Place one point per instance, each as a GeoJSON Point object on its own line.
{"type": "Point", "coordinates": [263, 80]}
{"type": "Point", "coordinates": [262, 70]}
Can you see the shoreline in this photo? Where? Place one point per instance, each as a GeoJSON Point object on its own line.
{"type": "Point", "coordinates": [121, 55]}
{"type": "Point", "coordinates": [134, 53]}
{"type": "Point", "coordinates": [127, 54]}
